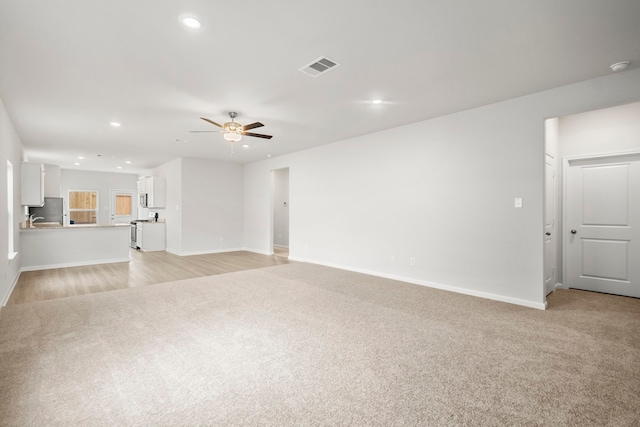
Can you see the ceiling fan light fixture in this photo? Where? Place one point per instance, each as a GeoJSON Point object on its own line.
{"type": "Point", "coordinates": [232, 136]}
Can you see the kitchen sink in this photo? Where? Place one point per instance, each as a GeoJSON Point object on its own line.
{"type": "Point", "coordinates": [46, 224]}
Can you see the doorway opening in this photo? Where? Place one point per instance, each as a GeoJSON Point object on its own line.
{"type": "Point", "coordinates": [593, 178]}
{"type": "Point", "coordinates": [280, 212]}
{"type": "Point", "coordinates": [122, 206]}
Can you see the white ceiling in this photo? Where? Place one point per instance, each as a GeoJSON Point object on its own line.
{"type": "Point", "coordinates": [68, 68]}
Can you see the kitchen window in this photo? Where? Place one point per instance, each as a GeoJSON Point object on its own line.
{"type": "Point", "coordinates": [83, 207]}
{"type": "Point", "coordinates": [123, 204]}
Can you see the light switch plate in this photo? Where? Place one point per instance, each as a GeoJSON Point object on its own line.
{"type": "Point", "coordinates": [517, 202]}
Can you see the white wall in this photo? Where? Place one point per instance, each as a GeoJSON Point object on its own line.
{"type": "Point", "coordinates": [101, 182]}
{"type": "Point", "coordinates": [281, 207]}
{"type": "Point", "coordinates": [212, 200]}
{"type": "Point", "coordinates": [208, 195]}
{"type": "Point", "coordinates": [609, 130]}
{"type": "Point", "coordinates": [441, 191]}
{"type": "Point", "coordinates": [11, 150]}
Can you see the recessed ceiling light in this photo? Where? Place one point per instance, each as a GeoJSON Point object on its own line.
{"type": "Point", "coordinates": [81, 157]}
{"type": "Point", "coordinates": [268, 156]}
{"type": "Point", "coordinates": [77, 164]}
{"type": "Point", "coordinates": [376, 101]}
{"type": "Point", "coordinates": [619, 66]}
{"type": "Point", "coordinates": [190, 21]}
{"type": "Point", "coordinates": [245, 146]}
{"type": "Point", "coordinates": [128, 162]}
{"type": "Point", "coordinates": [118, 167]}
{"type": "Point", "coordinates": [115, 124]}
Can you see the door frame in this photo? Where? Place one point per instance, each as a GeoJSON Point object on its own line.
{"type": "Point", "coordinates": [565, 184]}
{"type": "Point", "coordinates": [554, 228]}
{"type": "Point", "coordinates": [134, 202]}
{"type": "Point", "coordinates": [272, 227]}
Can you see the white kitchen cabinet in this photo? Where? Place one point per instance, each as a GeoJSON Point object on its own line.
{"type": "Point", "coordinates": [32, 184]}
{"type": "Point", "coordinates": [155, 189]}
{"type": "Point", "coordinates": [151, 236]}
{"type": "Point", "coordinates": [142, 185]}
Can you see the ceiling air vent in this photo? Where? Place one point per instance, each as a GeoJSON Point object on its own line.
{"type": "Point", "coordinates": [319, 66]}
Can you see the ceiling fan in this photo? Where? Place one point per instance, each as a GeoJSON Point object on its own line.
{"type": "Point", "coordinates": [233, 131]}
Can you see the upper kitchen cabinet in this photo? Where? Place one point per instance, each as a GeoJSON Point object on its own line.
{"type": "Point", "coordinates": [52, 181]}
{"type": "Point", "coordinates": [32, 175]}
{"type": "Point", "coordinates": [152, 190]}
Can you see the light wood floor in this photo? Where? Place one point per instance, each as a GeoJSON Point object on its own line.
{"type": "Point", "coordinates": [145, 268]}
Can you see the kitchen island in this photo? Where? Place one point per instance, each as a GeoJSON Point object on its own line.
{"type": "Point", "coordinates": [56, 246]}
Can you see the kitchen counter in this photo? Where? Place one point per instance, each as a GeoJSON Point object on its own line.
{"type": "Point", "coordinates": [56, 246]}
{"type": "Point", "coordinates": [57, 226]}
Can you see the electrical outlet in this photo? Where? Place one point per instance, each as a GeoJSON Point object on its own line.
{"type": "Point", "coordinates": [412, 261]}
{"type": "Point", "coordinates": [517, 202]}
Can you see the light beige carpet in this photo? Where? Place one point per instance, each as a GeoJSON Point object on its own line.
{"type": "Point", "coordinates": [300, 344]}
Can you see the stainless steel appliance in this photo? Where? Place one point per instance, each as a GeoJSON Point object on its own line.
{"type": "Point", "coordinates": [134, 235]}
{"type": "Point", "coordinates": [136, 232]}
{"type": "Point", "coordinates": [144, 200]}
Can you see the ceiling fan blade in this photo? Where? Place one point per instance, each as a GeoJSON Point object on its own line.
{"type": "Point", "coordinates": [252, 126]}
{"type": "Point", "coordinates": [210, 121]}
{"type": "Point", "coordinates": [258, 135]}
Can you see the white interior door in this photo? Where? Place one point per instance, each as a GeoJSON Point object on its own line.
{"type": "Point", "coordinates": [603, 224]}
{"type": "Point", "coordinates": [122, 206]}
{"type": "Point", "coordinates": [549, 225]}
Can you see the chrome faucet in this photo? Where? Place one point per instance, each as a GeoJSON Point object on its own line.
{"type": "Point", "coordinates": [32, 219]}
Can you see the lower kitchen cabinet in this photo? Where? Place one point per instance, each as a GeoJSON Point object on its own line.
{"type": "Point", "coordinates": [151, 236]}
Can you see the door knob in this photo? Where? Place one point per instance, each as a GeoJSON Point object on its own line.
{"type": "Point", "coordinates": [573, 231]}
{"type": "Point", "coordinates": [547, 233]}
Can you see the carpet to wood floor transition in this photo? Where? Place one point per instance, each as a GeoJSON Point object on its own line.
{"type": "Point", "coordinates": [302, 344]}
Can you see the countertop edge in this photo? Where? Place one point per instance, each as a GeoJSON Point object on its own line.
{"type": "Point", "coordinates": [75, 227]}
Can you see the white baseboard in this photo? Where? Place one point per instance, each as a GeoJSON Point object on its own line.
{"type": "Point", "coordinates": [73, 264]}
{"type": "Point", "coordinates": [5, 299]}
{"type": "Point", "coordinates": [206, 252]}
{"type": "Point", "coordinates": [257, 251]}
{"type": "Point", "coordinates": [280, 246]}
{"type": "Point", "coordinates": [471, 292]}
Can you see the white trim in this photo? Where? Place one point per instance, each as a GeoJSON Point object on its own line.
{"type": "Point", "coordinates": [212, 251]}
{"type": "Point", "coordinates": [12, 255]}
{"type": "Point", "coordinates": [257, 251]}
{"type": "Point", "coordinates": [73, 264]}
{"type": "Point", "coordinates": [603, 156]}
{"type": "Point", "coordinates": [113, 218]}
{"type": "Point", "coordinates": [69, 210]}
{"type": "Point", "coordinates": [280, 246]}
{"type": "Point", "coordinates": [486, 295]}
{"type": "Point", "coordinates": [5, 299]}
